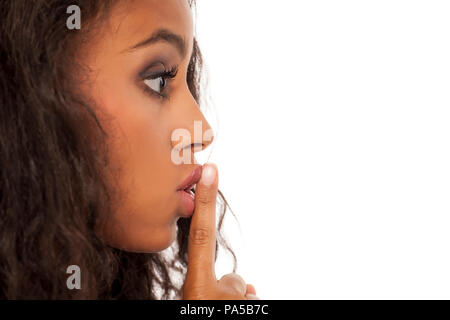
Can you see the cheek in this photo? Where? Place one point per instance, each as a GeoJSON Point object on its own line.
{"type": "Point", "coordinates": [144, 217]}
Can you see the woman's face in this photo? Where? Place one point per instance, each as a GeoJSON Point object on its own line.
{"type": "Point", "coordinates": [140, 41]}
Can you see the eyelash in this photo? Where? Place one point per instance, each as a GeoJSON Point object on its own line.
{"type": "Point", "coordinates": [167, 76]}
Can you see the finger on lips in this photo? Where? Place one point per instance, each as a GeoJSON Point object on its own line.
{"type": "Point", "coordinates": [202, 239]}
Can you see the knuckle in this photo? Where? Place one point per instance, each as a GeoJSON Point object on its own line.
{"type": "Point", "coordinates": [234, 282]}
{"type": "Point", "coordinates": [200, 236]}
{"type": "Point", "coordinates": [237, 279]}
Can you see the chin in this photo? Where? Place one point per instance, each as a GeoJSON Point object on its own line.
{"type": "Point", "coordinates": [158, 241]}
{"type": "Point", "coordinates": [147, 241]}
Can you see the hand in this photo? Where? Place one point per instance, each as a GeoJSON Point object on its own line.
{"type": "Point", "coordinates": [201, 282]}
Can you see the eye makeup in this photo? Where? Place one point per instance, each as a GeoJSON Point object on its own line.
{"type": "Point", "coordinates": [155, 71]}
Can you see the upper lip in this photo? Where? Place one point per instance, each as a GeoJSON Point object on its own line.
{"type": "Point", "coordinates": [191, 179]}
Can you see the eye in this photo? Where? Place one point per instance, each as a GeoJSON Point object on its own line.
{"type": "Point", "coordinates": [157, 84]}
{"type": "Point", "coordinates": [156, 79]}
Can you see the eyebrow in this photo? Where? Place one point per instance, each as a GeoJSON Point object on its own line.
{"type": "Point", "coordinates": [166, 36]}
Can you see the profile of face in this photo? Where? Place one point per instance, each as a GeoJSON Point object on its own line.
{"type": "Point", "coordinates": [138, 70]}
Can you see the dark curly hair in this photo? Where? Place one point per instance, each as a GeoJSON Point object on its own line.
{"type": "Point", "coordinates": [53, 192]}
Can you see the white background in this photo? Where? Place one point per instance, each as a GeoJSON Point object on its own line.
{"type": "Point", "coordinates": [333, 144]}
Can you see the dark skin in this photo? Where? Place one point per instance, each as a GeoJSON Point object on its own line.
{"type": "Point", "coordinates": [143, 38]}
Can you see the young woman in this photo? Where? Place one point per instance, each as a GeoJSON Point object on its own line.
{"type": "Point", "coordinates": [88, 178]}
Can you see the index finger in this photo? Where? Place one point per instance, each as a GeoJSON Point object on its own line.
{"type": "Point", "coordinates": [202, 233]}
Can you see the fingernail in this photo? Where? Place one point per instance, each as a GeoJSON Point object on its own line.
{"type": "Point", "coordinates": [208, 174]}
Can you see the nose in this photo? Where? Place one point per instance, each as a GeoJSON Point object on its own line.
{"type": "Point", "coordinates": [191, 131]}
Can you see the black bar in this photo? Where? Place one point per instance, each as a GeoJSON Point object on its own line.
{"type": "Point", "coordinates": [248, 309]}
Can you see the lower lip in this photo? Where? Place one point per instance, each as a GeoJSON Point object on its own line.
{"type": "Point", "coordinates": [187, 199]}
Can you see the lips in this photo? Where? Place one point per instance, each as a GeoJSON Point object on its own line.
{"type": "Point", "coordinates": [185, 191]}
{"type": "Point", "coordinates": [192, 179]}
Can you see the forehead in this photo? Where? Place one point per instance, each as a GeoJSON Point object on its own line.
{"type": "Point", "coordinates": [131, 21]}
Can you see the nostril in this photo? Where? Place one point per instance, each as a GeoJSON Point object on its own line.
{"type": "Point", "coordinates": [197, 146]}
